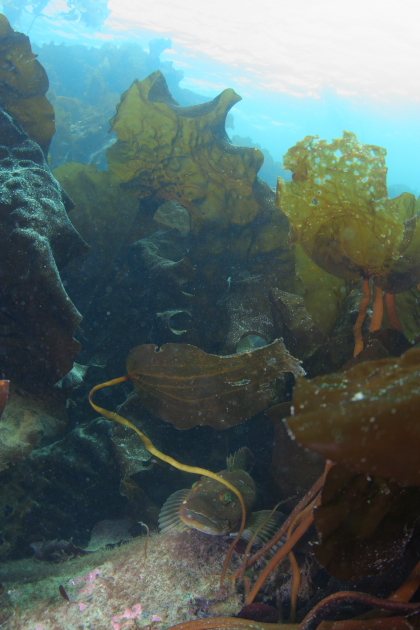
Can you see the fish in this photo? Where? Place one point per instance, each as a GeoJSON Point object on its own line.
{"type": "Point", "coordinates": [212, 508]}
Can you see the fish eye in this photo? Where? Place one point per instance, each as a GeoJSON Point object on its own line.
{"type": "Point", "coordinates": [226, 497]}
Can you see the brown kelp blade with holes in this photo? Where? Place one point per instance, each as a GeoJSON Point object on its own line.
{"type": "Point", "coordinates": [183, 385]}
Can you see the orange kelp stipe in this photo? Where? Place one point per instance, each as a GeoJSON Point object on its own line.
{"type": "Point", "coordinates": [357, 330]}
{"type": "Point", "coordinates": [378, 309]}
{"type": "Point", "coordinates": [111, 415]}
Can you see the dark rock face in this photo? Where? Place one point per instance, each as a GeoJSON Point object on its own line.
{"type": "Point", "coordinates": [52, 495]}
{"type": "Point", "coordinates": [37, 318]}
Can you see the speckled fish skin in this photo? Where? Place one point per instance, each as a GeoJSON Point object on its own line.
{"type": "Point", "coordinates": [212, 508]}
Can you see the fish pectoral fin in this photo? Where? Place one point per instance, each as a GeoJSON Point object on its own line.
{"type": "Point", "coordinates": [267, 524]}
{"type": "Point", "coordinates": [169, 519]}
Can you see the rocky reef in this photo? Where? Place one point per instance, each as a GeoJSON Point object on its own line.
{"type": "Point", "coordinates": [226, 316]}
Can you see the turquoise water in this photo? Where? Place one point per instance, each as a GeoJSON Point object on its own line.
{"type": "Point", "coordinates": [274, 113]}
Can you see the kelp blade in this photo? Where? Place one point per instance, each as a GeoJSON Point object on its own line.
{"type": "Point", "coordinates": [365, 418]}
{"type": "Point", "coordinates": [183, 385]}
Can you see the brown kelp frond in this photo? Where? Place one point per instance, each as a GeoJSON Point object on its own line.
{"type": "Point", "coordinates": [183, 385]}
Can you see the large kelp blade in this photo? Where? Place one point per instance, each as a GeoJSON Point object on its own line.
{"type": "Point", "coordinates": [364, 523]}
{"type": "Point", "coordinates": [338, 207]}
{"type": "Point", "coordinates": [183, 385]}
{"type": "Point", "coordinates": [366, 418]}
{"type": "Point", "coordinates": [183, 153]}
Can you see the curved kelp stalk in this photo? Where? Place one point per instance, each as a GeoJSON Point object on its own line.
{"type": "Point", "coordinates": [111, 415]}
{"type": "Point", "coordinates": [294, 528]}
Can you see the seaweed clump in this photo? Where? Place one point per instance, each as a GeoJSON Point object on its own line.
{"type": "Point", "coordinates": [183, 153]}
{"type": "Point", "coordinates": [339, 211]}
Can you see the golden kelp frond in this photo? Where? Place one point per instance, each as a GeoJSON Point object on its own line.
{"type": "Point", "coordinates": [338, 206]}
{"type": "Point", "coordinates": [23, 85]}
{"type": "Point", "coordinates": [183, 385]}
{"type": "Point", "coordinates": [320, 289]}
{"type": "Point", "coordinates": [183, 153]}
{"type": "Point", "coordinates": [365, 418]}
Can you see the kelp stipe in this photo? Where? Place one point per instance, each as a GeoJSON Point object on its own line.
{"type": "Point", "coordinates": [111, 415]}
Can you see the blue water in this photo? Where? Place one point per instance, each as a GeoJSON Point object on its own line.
{"type": "Point", "coordinates": [275, 121]}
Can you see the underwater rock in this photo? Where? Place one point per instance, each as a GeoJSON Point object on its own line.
{"type": "Point", "coordinates": [248, 310]}
{"type": "Point", "coordinates": [169, 152]}
{"type": "Point", "coordinates": [27, 421]}
{"type": "Point", "coordinates": [56, 550]}
{"type": "Point", "coordinates": [104, 216]}
{"type": "Point", "coordinates": [110, 532]}
{"type": "Point", "coordinates": [136, 584]}
{"type": "Point", "coordinates": [131, 454]}
{"type": "Point", "coordinates": [161, 257]}
{"type": "Point", "coordinates": [61, 490]}
{"type": "Point", "coordinates": [147, 280]}
{"type": "Point", "coordinates": [23, 85]}
{"type": "Point", "coordinates": [294, 324]}
{"type": "Point", "coordinates": [172, 214]}
{"type": "Point", "coordinates": [37, 318]}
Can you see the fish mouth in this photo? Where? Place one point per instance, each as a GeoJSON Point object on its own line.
{"type": "Point", "coordinates": [203, 523]}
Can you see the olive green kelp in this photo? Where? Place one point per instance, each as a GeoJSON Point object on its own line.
{"type": "Point", "coordinates": [183, 153]}
{"type": "Point", "coordinates": [339, 210]}
{"type": "Point", "coordinates": [340, 213]}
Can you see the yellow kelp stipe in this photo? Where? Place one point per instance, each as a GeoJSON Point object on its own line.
{"type": "Point", "coordinates": [111, 415]}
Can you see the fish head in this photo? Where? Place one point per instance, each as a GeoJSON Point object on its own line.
{"type": "Point", "coordinates": [213, 508]}
{"type": "Point", "coordinates": [199, 514]}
